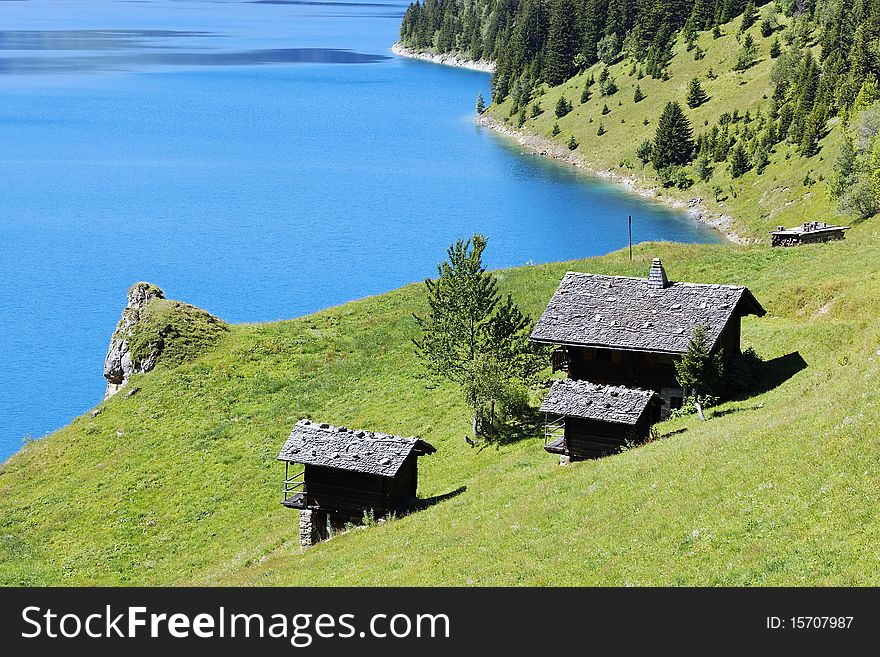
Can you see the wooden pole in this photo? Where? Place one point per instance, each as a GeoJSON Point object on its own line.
{"type": "Point", "coordinates": [630, 222]}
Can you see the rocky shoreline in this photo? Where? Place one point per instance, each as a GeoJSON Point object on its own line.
{"type": "Point", "coordinates": [444, 59]}
{"type": "Point", "coordinates": [548, 148]}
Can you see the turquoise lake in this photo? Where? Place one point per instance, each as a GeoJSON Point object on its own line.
{"type": "Point", "coordinates": [261, 160]}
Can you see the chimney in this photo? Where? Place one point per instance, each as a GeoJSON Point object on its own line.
{"type": "Point", "coordinates": [657, 276]}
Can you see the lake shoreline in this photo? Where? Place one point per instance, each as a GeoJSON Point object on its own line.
{"type": "Point", "coordinates": [544, 147]}
{"type": "Point", "coordinates": [482, 65]}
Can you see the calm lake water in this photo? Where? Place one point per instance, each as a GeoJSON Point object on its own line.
{"type": "Point", "coordinates": [261, 160]}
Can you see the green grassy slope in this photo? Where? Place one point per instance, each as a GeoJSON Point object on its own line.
{"type": "Point", "coordinates": [757, 203]}
{"type": "Point", "coordinates": [780, 488]}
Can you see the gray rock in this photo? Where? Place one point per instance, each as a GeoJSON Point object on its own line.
{"type": "Point", "coordinates": [118, 366]}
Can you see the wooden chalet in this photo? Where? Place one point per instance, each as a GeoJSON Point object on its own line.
{"type": "Point", "coordinates": [345, 474]}
{"type": "Point", "coordinates": [628, 333]}
{"type": "Point", "coordinates": [590, 419]}
{"type": "Point", "coordinates": [807, 233]}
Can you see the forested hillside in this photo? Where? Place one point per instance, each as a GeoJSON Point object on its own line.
{"type": "Point", "coordinates": [753, 86]}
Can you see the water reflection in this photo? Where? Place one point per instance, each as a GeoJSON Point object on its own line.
{"type": "Point", "coordinates": [31, 65]}
{"type": "Point", "coordinates": [87, 39]}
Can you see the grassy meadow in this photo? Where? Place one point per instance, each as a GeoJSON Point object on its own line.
{"type": "Point", "coordinates": [179, 483]}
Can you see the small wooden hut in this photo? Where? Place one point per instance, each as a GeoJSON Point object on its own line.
{"type": "Point", "coordinates": [589, 420]}
{"type": "Point", "coordinates": [807, 233]}
{"type": "Point", "coordinates": [345, 474]}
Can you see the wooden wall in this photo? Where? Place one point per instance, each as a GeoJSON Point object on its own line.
{"type": "Point", "coordinates": [639, 369]}
{"type": "Point", "coordinates": [353, 493]}
{"type": "Point", "coordinates": [634, 369]}
{"type": "Point", "coordinates": [593, 439]}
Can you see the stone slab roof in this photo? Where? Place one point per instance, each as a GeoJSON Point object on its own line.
{"type": "Point", "coordinates": [808, 227]}
{"type": "Point", "coordinates": [597, 402]}
{"type": "Point", "coordinates": [622, 312]}
{"type": "Point", "coordinates": [312, 443]}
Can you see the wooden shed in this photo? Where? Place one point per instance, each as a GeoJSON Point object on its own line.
{"type": "Point", "coordinates": [589, 420]}
{"type": "Point", "coordinates": [346, 473]}
{"type": "Point", "coordinates": [807, 233]}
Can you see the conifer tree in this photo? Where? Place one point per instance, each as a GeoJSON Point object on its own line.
{"type": "Point", "coordinates": [696, 95]}
{"type": "Point", "coordinates": [638, 96]}
{"type": "Point", "coordinates": [739, 161]}
{"type": "Point", "coordinates": [481, 104]}
{"type": "Point", "coordinates": [470, 336]}
{"type": "Point", "coordinates": [750, 15]}
{"type": "Point", "coordinates": [572, 143]}
{"type": "Point", "coordinates": [747, 54]}
{"type": "Point", "coordinates": [561, 42]}
{"type": "Point", "coordinates": [644, 151]}
{"type": "Point", "coordinates": [703, 166]}
{"type": "Point", "coordinates": [775, 48]}
{"type": "Point", "coordinates": [674, 138]}
{"type": "Point", "coordinates": [699, 371]}
{"type": "Point", "coordinates": [563, 107]}
{"type": "Point", "coordinates": [585, 94]}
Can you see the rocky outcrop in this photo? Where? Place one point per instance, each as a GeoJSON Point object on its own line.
{"type": "Point", "coordinates": [154, 329]}
{"type": "Point", "coordinates": [119, 365]}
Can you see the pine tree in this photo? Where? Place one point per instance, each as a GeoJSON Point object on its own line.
{"type": "Point", "coordinates": [601, 131]}
{"type": "Point", "coordinates": [747, 54]}
{"type": "Point", "coordinates": [699, 370]}
{"type": "Point", "coordinates": [644, 151]}
{"type": "Point", "coordinates": [605, 110]}
{"type": "Point", "coordinates": [703, 166]}
{"type": "Point", "coordinates": [638, 96]}
{"type": "Point", "coordinates": [739, 161]}
{"type": "Point", "coordinates": [750, 15]}
{"type": "Point", "coordinates": [809, 144]}
{"type": "Point", "coordinates": [481, 104]}
{"type": "Point", "coordinates": [844, 167]}
{"type": "Point", "coordinates": [561, 43]}
{"type": "Point", "coordinates": [555, 130]}
{"type": "Point", "coordinates": [469, 336]}
{"type": "Point", "coordinates": [696, 96]}
{"type": "Point", "coordinates": [674, 138]}
{"type": "Point", "coordinates": [585, 94]}
{"type": "Point", "coordinates": [775, 48]}
{"type": "Point", "coordinates": [563, 107]}
{"type": "Point", "coordinates": [572, 143]}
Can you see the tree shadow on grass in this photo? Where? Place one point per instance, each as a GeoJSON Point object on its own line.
{"type": "Point", "coordinates": [529, 424]}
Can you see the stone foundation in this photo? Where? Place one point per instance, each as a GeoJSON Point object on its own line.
{"type": "Point", "coordinates": [312, 527]}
